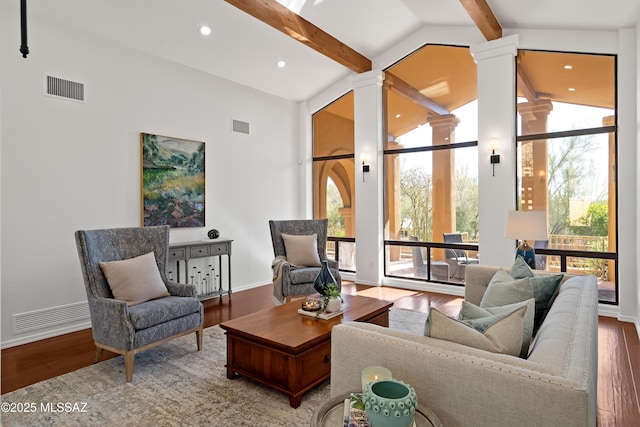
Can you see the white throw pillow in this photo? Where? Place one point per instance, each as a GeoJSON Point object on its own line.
{"type": "Point", "coordinates": [472, 311]}
{"type": "Point", "coordinates": [135, 280]}
{"type": "Point", "coordinates": [500, 333]}
{"type": "Point", "coordinates": [302, 250]}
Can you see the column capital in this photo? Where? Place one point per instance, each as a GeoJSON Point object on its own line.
{"type": "Point", "coordinates": [503, 46]}
{"type": "Point", "coordinates": [609, 121]}
{"type": "Point", "coordinates": [449, 120]}
{"type": "Point", "coordinates": [533, 108]}
{"type": "Point", "coordinates": [369, 78]}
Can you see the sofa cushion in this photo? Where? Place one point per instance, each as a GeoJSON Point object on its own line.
{"type": "Point", "coordinates": [501, 333]}
{"type": "Point", "coordinates": [135, 280]}
{"type": "Point", "coordinates": [152, 313]}
{"type": "Point", "coordinates": [472, 311]}
{"type": "Point", "coordinates": [504, 289]}
{"type": "Point", "coordinates": [302, 250]}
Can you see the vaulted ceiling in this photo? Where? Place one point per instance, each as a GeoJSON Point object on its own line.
{"type": "Point", "coordinates": [244, 49]}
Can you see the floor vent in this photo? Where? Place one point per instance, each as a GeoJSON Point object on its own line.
{"type": "Point", "coordinates": [67, 89]}
{"type": "Point", "coordinates": [45, 318]}
{"type": "Point", "coordinates": [241, 127]}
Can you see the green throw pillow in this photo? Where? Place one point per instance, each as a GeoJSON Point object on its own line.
{"type": "Point", "coordinates": [500, 333]}
{"type": "Point", "coordinates": [472, 311]}
{"type": "Point", "coordinates": [503, 290]}
{"type": "Point", "coordinates": [541, 284]}
{"type": "Point", "coordinates": [520, 269]}
{"type": "Point", "coordinates": [546, 289]}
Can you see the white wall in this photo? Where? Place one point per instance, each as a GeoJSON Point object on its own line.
{"type": "Point", "coordinates": [68, 165]}
{"type": "Point", "coordinates": [612, 42]}
{"type": "Point", "coordinates": [637, 182]}
{"type": "Point", "coordinates": [627, 176]}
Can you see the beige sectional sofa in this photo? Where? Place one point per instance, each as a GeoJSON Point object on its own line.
{"type": "Point", "coordinates": [555, 386]}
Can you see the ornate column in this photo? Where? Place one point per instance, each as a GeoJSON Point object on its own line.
{"type": "Point", "coordinates": [534, 189]}
{"type": "Point", "coordinates": [443, 218]}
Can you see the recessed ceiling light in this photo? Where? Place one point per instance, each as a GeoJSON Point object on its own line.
{"type": "Point", "coordinates": [571, 89]}
{"type": "Point", "coordinates": [568, 67]}
{"type": "Point", "coordinates": [205, 30]}
{"type": "Point", "coordinates": [398, 116]}
{"type": "Point", "coordinates": [281, 64]}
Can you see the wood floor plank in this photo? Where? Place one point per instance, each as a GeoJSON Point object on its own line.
{"type": "Point", "coordinates": [618, 347]}
{"type": "Point", "coordinates": [605, 376]}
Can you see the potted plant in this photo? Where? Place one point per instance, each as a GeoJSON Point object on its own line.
{"type": "Point", "coordinates": [332, 301]}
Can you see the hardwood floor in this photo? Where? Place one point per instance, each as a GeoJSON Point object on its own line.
{"type": "Point", "coordinates": [618, 347]}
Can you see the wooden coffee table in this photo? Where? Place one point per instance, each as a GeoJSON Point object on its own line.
{"type": "Point", "coordinates": [290, 352]}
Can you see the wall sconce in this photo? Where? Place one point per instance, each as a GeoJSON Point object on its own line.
{"type": "Point", "coordinates": [494, 157]}
{"type": "Point", "coordinates": [365, 164]}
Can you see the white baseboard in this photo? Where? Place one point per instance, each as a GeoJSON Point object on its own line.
{"type": "Point", "coordinates": [424, 286]}
{"type": "Point", "coordinates": [608, 310]}
{"type": "Point", "coordinates": [44, 335]}
{"type": "Point", "coordinates": [36, 325]}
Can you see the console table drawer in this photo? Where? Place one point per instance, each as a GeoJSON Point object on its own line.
{"type": "Point", "coordinates": [220, 249]}
{"type": "Point", "coordinates": [199, 251]}
{"type": "Point", "coordinates": [177, 254]}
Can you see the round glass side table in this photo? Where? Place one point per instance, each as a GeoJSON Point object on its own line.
{"type": "Point", "coordinates": [331, 414]}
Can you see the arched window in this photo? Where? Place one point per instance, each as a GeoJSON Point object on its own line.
{"type": "Point", "coordinates": [334, 177]}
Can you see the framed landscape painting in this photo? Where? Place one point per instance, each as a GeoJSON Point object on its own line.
{"type": "Point", "coordinates": [172, 181]}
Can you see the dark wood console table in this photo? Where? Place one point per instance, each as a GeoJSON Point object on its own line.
{"type": "Point", "coordinates": [186, 251]}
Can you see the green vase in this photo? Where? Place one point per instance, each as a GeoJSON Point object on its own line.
{"type": "Point", "coordinates": [389, 403]}
{"type": "Point", "coordinates": [323, 278]}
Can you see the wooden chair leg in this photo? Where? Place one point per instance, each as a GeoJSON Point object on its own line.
{"type": "Point", "coordinates": [96, 359]}
{"type": "Point", "coordinates": [288, 298]}
{"type": "Point", "coordinates": [129, 357]}
{"type": "Point", "coordinates": [199, 334]}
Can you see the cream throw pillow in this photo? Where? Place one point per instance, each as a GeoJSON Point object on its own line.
{"type": "Point", "coordinates": [135, 280]}
{"type": "Point", "coordinates": [472, 311]}
{"type": "Point", "coordinates": [498, 334]}
{"type": "Point", "coordinates": [302, 250]}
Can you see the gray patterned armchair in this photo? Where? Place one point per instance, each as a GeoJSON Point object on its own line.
{"type": "Point", "coordinates": [129, 329]}
{"type": "Point", "coordinates": [290, 279]}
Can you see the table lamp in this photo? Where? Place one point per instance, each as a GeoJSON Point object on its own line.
{"type": "Point", "coordinates": [524, 226]}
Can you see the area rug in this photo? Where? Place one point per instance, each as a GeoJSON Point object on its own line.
{"type": "Point", "coordinates": [173, 385]}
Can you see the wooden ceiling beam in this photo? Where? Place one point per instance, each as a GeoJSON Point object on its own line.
{"type": "Point", "coordinates": [282, 19]}
{"type": "Point", "coordinates": [484, 18]}
{"type": "Point", "coordinates": [525, 85]}
{"type": "Point", "coordinates": [403, 88]}
{"type": "Point", "coordinates": [491, 29]}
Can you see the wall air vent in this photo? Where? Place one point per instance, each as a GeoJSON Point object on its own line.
{"type": "Point", "coordinates": [67, 89]}
{"type": "Point", "coordinates": [240, 127]}
{"type": "Point", "coordinates": [53, 316]}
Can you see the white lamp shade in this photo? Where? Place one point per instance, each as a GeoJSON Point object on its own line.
{"type": "Point", "coordinates": [526, 225]}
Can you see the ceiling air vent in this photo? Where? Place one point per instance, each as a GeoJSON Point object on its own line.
{"type": "Point", "coordinates": [240, 127]}
{"type": "Point", "coordinates": [67, 89]}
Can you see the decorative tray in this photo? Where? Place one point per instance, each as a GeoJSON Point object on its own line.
{"type": "Point", "coordinates": [323, 316]}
